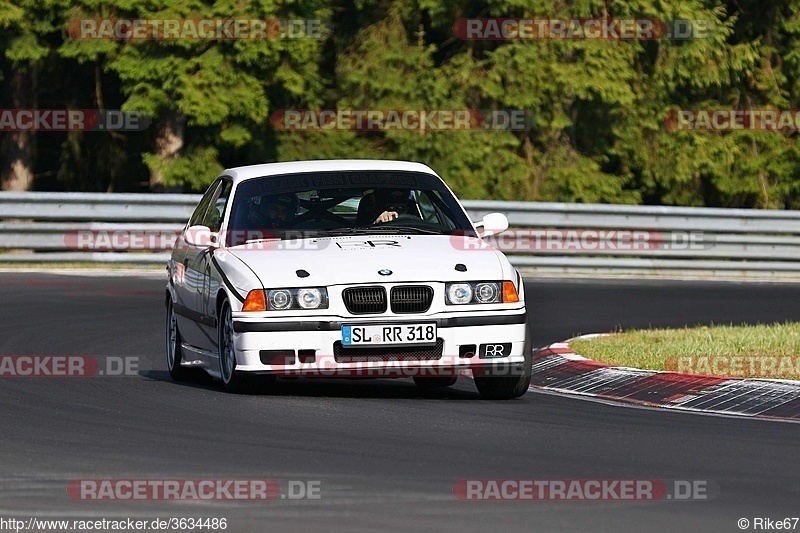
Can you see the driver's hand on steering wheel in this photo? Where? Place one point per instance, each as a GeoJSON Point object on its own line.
{"type": "Point", "coordinates": [386, 216]}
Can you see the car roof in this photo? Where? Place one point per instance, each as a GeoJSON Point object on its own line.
{"type": "Point", "coordinates": [327, 165]}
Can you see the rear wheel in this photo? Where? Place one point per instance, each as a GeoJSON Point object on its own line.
{"type": "Point", "coordinates": [435, 382]}
{"type": "Point", "coordinates": [508, 387]}
{"type": "Point", "coordinates": [234, 381]}
{"type": "Point", "coordinates": [174, 350]}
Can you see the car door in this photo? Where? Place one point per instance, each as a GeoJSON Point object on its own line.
{"type": "Point", "coordinates": [211, 280]}
{"type": "Point", "coordinates": [190, 277]}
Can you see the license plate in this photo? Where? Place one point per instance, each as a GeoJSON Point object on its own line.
{"type": "Point", "coordinates": [389, 334]}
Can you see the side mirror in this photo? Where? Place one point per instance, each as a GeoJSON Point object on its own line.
{"type": "Point", "coordinates": [201, 236]}
{"type": "Point", "coordinates": [492, 224]}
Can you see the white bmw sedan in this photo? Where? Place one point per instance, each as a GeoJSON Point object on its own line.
{"type": "Point", "coordinates": [344, 268]}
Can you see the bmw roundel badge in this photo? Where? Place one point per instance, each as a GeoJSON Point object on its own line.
{"type": "Point", "coordinates": [385, 272]}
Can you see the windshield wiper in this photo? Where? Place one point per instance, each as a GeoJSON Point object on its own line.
{"type": "Point", "coordinates": [426, 231]}
{"type": "Point", "coordinates": [252, 241]}
{"type": "Point", "coordinates": [347, 231]}
{"type": "Point", "coordinates": [369, 230]}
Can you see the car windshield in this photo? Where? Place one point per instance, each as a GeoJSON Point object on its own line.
{"type": "Point", "coordinates": [341, 203]}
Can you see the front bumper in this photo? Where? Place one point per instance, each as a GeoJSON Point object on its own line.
{"type": "Point", "coordinates": [308, 347]}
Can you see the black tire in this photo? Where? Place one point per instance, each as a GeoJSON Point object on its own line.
{"type": "Point", "coordinates": [508, 387]}
{"type": "Point", "coordinates": [234, 381]}
{"type": "Point", "coordinates": [177, 371]}
{"type": "Point", "coordinates": [435, 382]}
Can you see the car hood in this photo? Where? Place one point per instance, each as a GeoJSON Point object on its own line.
{"type": "Point", "coordinates": [359, 259]}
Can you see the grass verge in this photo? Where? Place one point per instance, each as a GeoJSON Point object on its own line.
{"type": "Point", "coordinates": [764, 351]}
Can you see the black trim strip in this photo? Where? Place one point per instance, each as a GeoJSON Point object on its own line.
{"type": "Point", "coordinates": [240, 326]}
{"type": "Point", "coordinates": [226, 281]}
{"type": "Point", "coordinates": [495, 320]}
{"type": "Point", "coordinates": [286, 325]}
{"type": "Point", "coordinates": [195, 316]}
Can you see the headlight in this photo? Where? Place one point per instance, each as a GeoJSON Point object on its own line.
{"type": "Point", "coordinates": [280, 299]}
{"type": "Point", "coordinates": [307, 298]}
{"type": "Point", "coordinates": [459, 293]}
{"type": "Point", "coordinates": [487, 293]}
{"type": "Point", "coordinates": [480, 292]}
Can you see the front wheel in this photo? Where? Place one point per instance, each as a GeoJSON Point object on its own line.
{"type": "Point", "coordinates": [234, 381]}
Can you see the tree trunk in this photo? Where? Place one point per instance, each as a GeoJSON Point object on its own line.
{"type": "Point", "coordinates": [169, 143]}
{"type": "Point", "coordinates": [17, 147]}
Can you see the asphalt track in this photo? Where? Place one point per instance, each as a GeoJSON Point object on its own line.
{"type": "Point", "coordinates": [387, 455]}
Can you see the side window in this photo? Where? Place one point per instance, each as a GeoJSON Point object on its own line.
{"type": "Point", "coordinates": [202, 207]}
{"type": "Point", "coordinates": [216, 210]}
{"type": "Point", "coordinates": [427, 208]}
{"type": "Point", "coordinates": [435, 209]}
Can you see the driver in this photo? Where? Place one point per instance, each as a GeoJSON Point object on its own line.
{"type": "Point", "coordinates": [276, 211]}
{"type": "Point", "coordinates": [393, 202]}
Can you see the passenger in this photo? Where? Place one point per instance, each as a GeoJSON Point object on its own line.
{"type": "Point", "coordinates": [276, 211]}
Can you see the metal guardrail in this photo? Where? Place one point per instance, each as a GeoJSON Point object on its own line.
{"type": "Point", "coordinates": [97, 207]}
{"type": "Point", "coordinates": [742, 242]}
